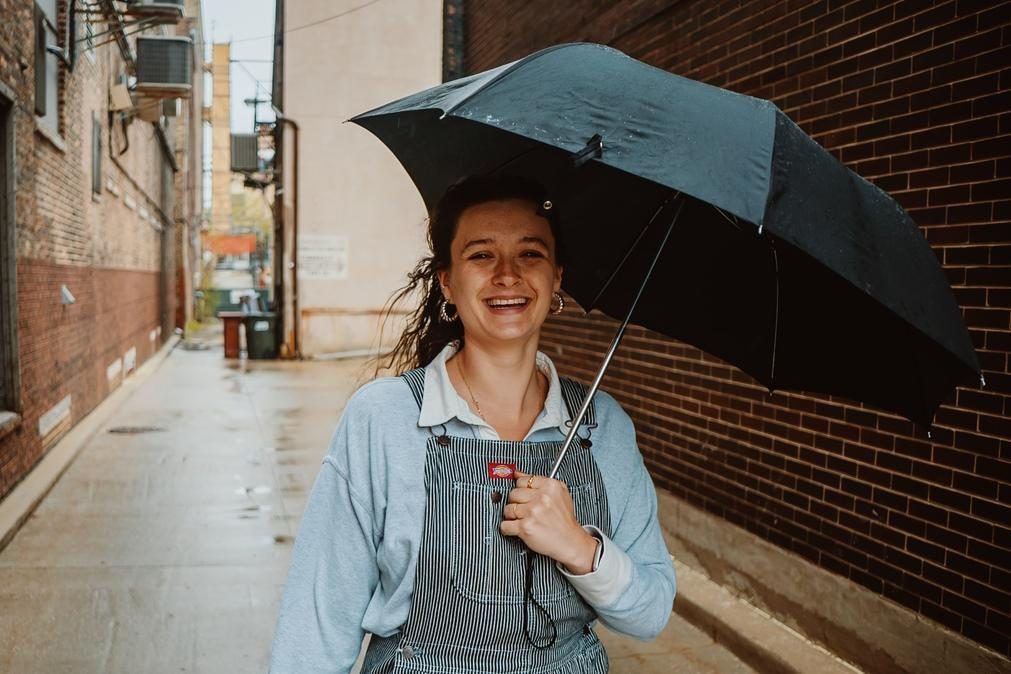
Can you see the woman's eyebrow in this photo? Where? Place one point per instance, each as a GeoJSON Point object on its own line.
{"type": "Point", "coordinates": [476, 242]}
{"type": "Point", "coordinates": [486, 241]}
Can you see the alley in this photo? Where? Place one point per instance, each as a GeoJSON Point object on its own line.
{"type": "Point", "coordinates": [164, 546]}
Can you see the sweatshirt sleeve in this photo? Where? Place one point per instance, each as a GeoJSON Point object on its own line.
{"type": "Point", "coordinates": [332, 576]}
{"type": "Point", "coordinates": [633, 588]}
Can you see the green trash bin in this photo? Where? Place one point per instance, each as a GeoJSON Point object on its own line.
{"type": "Point", "coordinates": [261, 335]}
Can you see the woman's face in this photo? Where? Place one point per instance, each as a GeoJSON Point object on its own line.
{"type": "Point", "coordinates": [502, 271]}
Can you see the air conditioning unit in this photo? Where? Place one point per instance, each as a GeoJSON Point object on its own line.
{"type": "Point", "coordinates": [244, 153]}
{"type": "Point", "coordinates": [164, 66]}
{"type": "Point", "coordinates": [159, 11]}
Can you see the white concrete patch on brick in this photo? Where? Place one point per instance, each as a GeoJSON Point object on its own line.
{"type": "Point", "coordinates": [153, 335]}
{"type": "Point", "coordinates": [143, 212]}
{"type": "Point", "coordinates": [130, 202]}
{"type": "Point", "coordinates": [52, 418]}
{"type": "Point", "coordinates": [111, 185]}
{"type": "Point", "coordinates": [130, 360]}
{"type": "Point", "coordinates": [112, 372]}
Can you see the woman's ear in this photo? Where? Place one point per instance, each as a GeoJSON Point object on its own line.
{"type": "Point", "coordinates": [558, 278]}
{"type": "Point", "coordinates": [443, 277]}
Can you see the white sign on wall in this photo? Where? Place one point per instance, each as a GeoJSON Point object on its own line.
{"type": "Point", "coordinates": [322, 257]}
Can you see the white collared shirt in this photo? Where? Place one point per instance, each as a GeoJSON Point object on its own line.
{"type": "Point", "coordinates": [442, 403]}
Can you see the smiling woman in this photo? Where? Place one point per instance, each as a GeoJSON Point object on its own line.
{"type": "Point", "coordinates": [433, 525]}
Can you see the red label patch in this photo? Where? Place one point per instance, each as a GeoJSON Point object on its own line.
{"type": "Point", "coordinates": [501, 471]}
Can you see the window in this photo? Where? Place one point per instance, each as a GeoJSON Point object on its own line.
{"type": "Point", "coordinates": [9, 386]}
{"type": "Point", "coordinates": [96, 154]}
{"type": "Point", "coordinates": [47, 74]}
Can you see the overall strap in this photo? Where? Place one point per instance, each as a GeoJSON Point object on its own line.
{"type": "Point", "coordinates": [415, 380]}
{"type": "Point", "coordinates": [573, 393]}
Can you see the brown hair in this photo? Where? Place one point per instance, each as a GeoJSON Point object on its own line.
{"type": "Point", "coordinates": [426, 333]}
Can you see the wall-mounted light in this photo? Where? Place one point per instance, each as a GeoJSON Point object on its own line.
{"type": "Point", "coordinates": [66, 296]}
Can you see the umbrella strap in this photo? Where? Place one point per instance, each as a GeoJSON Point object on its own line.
{"type": "Point", "coordinates": [528, 598]}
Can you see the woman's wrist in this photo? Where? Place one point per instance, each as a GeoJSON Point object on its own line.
{"type": "Point", "coordinates": [581, 562]}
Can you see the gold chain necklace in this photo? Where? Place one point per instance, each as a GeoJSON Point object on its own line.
{"type": "Point", "coordinates": [477, 405]}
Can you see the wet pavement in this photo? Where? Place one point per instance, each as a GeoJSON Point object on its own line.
{"type": "Point", "coordinates": [165, 544]}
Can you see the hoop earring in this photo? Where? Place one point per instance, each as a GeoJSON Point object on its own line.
{"type": "Point", "coordinates": [561, 303]}
{"type": "Point", "coordinates": [444, 315]}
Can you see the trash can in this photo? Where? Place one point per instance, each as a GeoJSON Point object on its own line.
{"type": "Point", "coordinates": [231, 320]}
{"type": "Point", "coordinates": [261, 335]}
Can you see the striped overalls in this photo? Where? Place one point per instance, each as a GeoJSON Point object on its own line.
{"type": "Point", "coordinates": [467, 611]}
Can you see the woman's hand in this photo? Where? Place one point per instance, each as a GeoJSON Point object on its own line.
{"type": "Point", "coordinates": [540, 512]}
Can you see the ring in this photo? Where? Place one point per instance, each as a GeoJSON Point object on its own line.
{"type": "Point", "coordinates": [530, 482]}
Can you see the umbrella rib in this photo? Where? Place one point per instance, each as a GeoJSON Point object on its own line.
{"type": "Point", "coordinates": [574, 427]}
{"type": "Point", "coordinates": [631, 248]}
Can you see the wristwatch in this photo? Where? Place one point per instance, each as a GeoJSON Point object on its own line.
{"type": "Point", "coordinates": [599, 552]}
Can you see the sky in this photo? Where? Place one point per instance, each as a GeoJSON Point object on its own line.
{"type": "Point", "coordinates": [249, 26]}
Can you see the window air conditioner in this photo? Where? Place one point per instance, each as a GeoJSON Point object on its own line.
{"type": "Point", "coordinates": [244, 153]}
{"type": "Point", "coordinates": [161, 11]}
{"type": "Point", "coordinates": [164, 66]}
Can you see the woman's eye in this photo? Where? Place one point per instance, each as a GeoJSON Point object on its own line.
{"type": "Point", "coordinates": [532, 253]}
{"type": "Point", "coordinates": [480, 256]}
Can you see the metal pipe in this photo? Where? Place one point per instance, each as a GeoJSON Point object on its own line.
{"type": "Point", "coordinates": [296, 333]}
{"type": "Point", "coordinates": [614, 345]}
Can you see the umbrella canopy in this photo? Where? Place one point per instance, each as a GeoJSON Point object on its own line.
{"type": "Point", "coordinates": [782, 261]}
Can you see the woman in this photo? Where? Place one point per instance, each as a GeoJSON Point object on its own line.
{"type": "Point", "coordinates": [424, 522]}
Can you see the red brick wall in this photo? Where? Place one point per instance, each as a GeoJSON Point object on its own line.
{"type": "Point", "coordinates": [65, 349]}
{"type": "Point", "coordinates": [97, 245]}
{"type": "Point", "coordinates": [915, 96]}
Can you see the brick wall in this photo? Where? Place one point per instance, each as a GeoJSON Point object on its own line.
{"type": "Point", "coordinates": [67, 350]}
{"type": "Point", "coordinates": [915, 96]}
{"type": "Point", "coordinates": [107, 248]}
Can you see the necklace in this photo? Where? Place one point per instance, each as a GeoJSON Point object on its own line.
{"type": "Point", "coordinates": [477, 405]}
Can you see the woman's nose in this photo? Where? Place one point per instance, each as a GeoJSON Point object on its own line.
{"type": "Point", "coordinates": [506, 272]}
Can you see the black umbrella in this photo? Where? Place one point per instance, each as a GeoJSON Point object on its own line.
{"type": "Point", "coordinates": [763, 249]}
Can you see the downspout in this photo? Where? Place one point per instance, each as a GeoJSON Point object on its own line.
{"type": "Point", "coordinates": [296, 318]}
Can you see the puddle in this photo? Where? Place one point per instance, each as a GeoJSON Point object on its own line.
{"type": "Point", "coordinates": [134, 430]}
{"type": "Point", "coordinates": [258, 489]}
{"type": "Point", "coordinates": [278, 539]}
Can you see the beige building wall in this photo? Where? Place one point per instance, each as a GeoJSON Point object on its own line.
{"type": "Point", "coordinates": [361, 221]}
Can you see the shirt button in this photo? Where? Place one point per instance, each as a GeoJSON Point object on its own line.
{"type": "Point", "coordinates": [443, 441]}
{"type": "Point", "coordinates": [496, 496]}
{"type": "Point", "coordinates": [407, 652]}
{"type": "Point", "coordinates": [585, 443]}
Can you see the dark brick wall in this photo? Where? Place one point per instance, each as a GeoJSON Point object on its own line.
{"type": "Point", "coordinates": [99, 246]}
{"type": "Point", "coordinates": [915, 96]}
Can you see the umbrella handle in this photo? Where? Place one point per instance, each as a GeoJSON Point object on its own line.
{"type": "Point", "coordinates": [614, 346]}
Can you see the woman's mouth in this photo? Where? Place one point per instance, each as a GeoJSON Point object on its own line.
{"type": "Point", "coordinates": [507, 304]}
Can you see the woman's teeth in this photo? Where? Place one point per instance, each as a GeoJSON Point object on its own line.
{"type": "Point", "coordinates": [507, 303]}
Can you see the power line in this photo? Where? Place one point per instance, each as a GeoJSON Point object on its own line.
{"type": "Point", "coordinates": [309, 25]}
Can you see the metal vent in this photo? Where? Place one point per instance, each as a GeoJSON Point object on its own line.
{"type": "Point", "coordinates": [164, 66]}
{"type": "Point", "coordinates": [244, 153]}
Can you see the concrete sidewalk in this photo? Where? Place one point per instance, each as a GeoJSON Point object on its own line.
{"type": "Point", "coordinates": [164, 546]}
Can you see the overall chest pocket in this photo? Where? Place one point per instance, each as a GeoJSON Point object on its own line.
{"type": "Point", "coordinates": [486, 566]}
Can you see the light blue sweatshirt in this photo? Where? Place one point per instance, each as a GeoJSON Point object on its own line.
{"type": "Point", "coordinates": [353, 565]}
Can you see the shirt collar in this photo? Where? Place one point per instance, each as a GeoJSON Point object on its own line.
{"type": "Point", "coordinates": [441, 402]}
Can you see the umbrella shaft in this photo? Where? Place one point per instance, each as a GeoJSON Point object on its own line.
{"type": "Point", "coordinates": [614, 346]}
